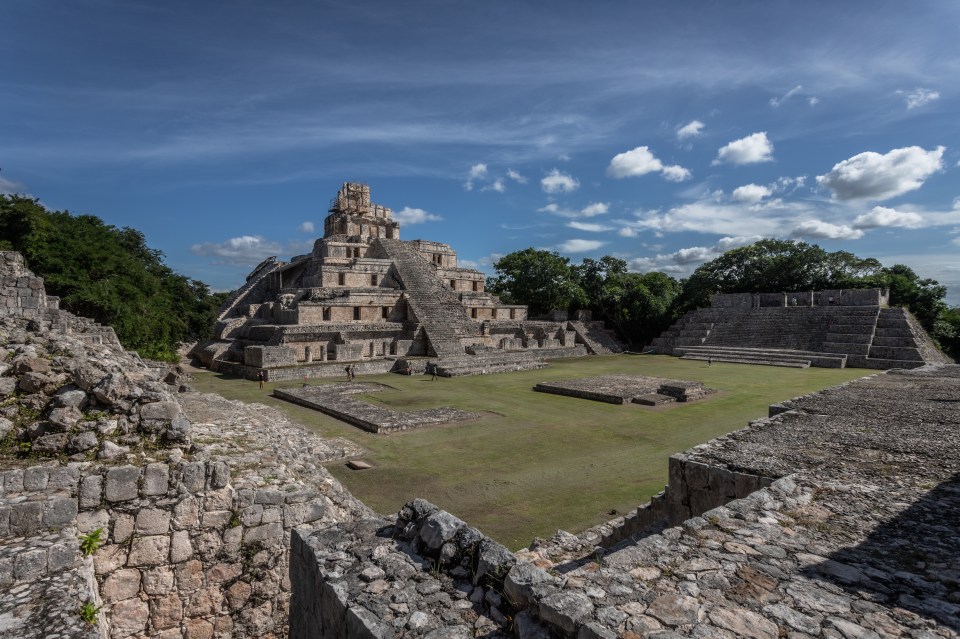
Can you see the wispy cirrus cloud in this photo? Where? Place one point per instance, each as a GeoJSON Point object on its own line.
{"type": "Point", "coordinates": [919, 97]}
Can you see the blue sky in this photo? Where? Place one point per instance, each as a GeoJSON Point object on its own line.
{"type": "Point", "coordinates": [662, 133]}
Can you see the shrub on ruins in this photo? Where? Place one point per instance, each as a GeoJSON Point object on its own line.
{"type": "Point", "coordinates": [110, 275]}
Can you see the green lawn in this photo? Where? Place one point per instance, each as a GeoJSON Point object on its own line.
{"type": "Point", "coordinates": [538, 462]}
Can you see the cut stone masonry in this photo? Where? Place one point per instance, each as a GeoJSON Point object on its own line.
{"type": "Point", "coordinates": [364, 296]}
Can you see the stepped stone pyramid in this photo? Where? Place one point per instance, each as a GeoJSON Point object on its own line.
{"type": "Point", "coordinates": [834, 329]}
{"type": "Point", "coordinates": [365, 297]}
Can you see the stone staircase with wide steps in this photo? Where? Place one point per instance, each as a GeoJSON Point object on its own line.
{"type": "Point", "coordinates": [437, 308]}
{"type": "Point", "coordinates": [859, 336]}
{"type": "Point", "coordinates": [598, 340]}
{"type": "Point", "coordinates": [761, 356]}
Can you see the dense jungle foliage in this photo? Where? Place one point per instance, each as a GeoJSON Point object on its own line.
{"type": "Point", "coordinates": [110, 275]}
{"type": "Point", "coordinates": [641, 305]}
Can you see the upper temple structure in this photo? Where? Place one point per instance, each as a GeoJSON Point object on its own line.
{"type": "Point", "coordinates": [365, 297]}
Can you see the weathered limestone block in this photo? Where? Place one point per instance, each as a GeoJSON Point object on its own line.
{"type": "Point", "coordinates": [156, 479]}
{"type": "Point", "coordinates": [158, 581]}
{"type": "Point", "coordinates": [565, 610]}
{"type": "Point", "coordinates": [122, 584]}
{"type": "Point", "coordinates": [266, 532]}
{"type": "Point", "coordinates": [128, 617]}
{"type": "Point", "coordinates": [189, 575]}
{"type": "Point", "coordinates": [109, 558]}
{"type": "Point", "coordinates": [193, 476]}
{"type": "Point", "coordinates": [197, 629]}
{"type": "Point", "coordinates": [180, 547]}
{"type": "Point", "coordinates": [123, 526]}
{"type": "Point", "coordinates": [59, 512]}
{"type": "Point", "coordinates": [152, 521]}
{"type": "Point", "coordinates": [204, 602]}
{"type": "Point", "coordinates": [29, 564]}
{"type": "Point", "coordinates": [149, 551]}
{"type": "Point", "coordinates": [186, 513]}
{"type": "Point", "coordinates": [440, 528]}
{"type": "Point", "coordinates": [165, 612]}
{"type": "Point", "coordinates": [526, 581]}
{"type": "Point", "coordinates": [26, 518]}
{"type": "Point", "coordinates": [122, 483]}
{"type": "Point", "coordinates": [35, 478]}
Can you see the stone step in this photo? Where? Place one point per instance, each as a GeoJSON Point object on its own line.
{"type": "Point", "coordinates": [745, 360]}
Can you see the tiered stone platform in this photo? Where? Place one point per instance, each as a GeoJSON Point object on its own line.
{"type": "Point", "coordinates": [826, 329]}
{"type": "Point", "coordinates": [336, 400]}
{"type": "Point", "coordinates": [838, 518]}
{"type": "Point", "coordinates": [765, 356]}
{"type": "Point", "coordinates": [623, 389]}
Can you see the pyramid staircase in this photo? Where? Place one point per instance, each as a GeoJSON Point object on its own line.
{"type": "Point", "coordinates": [437, 308]}
{"type": "Point", "coordinates": [598, 340]}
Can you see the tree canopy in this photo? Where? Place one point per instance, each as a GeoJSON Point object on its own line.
{"type": "Point", "coordinates": [540, 279]}
{"type": "Point", "coordinates": [110, 275]}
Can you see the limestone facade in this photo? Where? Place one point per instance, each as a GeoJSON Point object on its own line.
{"type": "Point", "coordinates": [363, 295]}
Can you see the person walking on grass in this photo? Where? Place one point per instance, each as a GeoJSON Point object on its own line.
{"type": "Point", "coordinates": [260, 379]}
{"type": "Point", "coordinates": [710, 361]}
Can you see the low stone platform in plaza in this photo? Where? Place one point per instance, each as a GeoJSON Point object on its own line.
{"type": "Point", "coordinates": [624, 389]}
{"type": "Point", "coordinates": [337, 400]}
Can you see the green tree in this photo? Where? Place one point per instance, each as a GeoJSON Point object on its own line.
{"type": "Point", "coordinates": [110, 275]}
{"type": "Point", "coordinates": [542, 280]}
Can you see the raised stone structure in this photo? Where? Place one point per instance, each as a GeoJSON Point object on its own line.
{"type": "Point", "coordinates": [831, 329]}
{"type": "Point", "coordinates": [365, 296]}
{"type": "Point", "coordinates": [624, 389]}
{"type": "Point", "coordinates": [837, 517]}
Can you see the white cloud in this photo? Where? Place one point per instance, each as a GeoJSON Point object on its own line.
{"type": "Point", "coordinates": [826, 230]}
{"type": "Point", "coordinates": [553, 207]}
{"type": "Point", "coordinates": [306, 227]}
{"type": "Point", "coordinates": [641, 161]}
{"type": "Point", "coordinates": [690, 130]}
{"type": "Point", "coordinates": [245, 250]}
{"type": "Point", "coordinates": [685, 260]}
{"type": "Point", "coordinates": [814, 101]}
{"type": "Point", "coordinates": [627, 231]}
{"type": "Point", "coordinates": [754, 148]}
{"type": "Point", "coordinates": [919, 97]}
{"type": "Point", "coordinates": [9, 187]}
{"type": "Point", "coordinates": [497, 185]}
{"type": "Point", "coordinates": [477, 172]}
{"type": "Point", "coordinates": [881, 216]}
{"type": "Point", "coordinates": [776, 102]}
{"type": "Point", "coordinates": [516, 177]}
{"type": "Point", "coordinates": [751, 193]}
{"type": "Point", "coordinates": [589, 226]}
{"type": "Point", "coordinates": [675, 173]}
{"type": "Point", "coordinates": [594, 209]}
{"type": "Point", "coordinates": [558, 182]}
{"type": "Point", "coordinates": [580, 246]}
{"type": "Point", "coordinates": [874, 176]}
{"type": "Point", "coordinates": [409, 215]}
